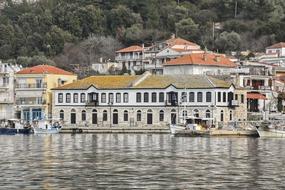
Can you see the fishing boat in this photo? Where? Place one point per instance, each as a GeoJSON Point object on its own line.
{"type": "Point", "coordinates": [46, 127]}
{"type": "Point", "coordinates": [275, 130]}
{"type": "Point", "coordinates": [15, 126]}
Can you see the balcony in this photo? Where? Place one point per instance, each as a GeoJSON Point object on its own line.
{"type": "Point", "coordinates": [233, 103]}
{"type": "Point", "coordinates": [30, 102]}
{"type": "Point", "coordinates": [7, 100]}
{"type": "Point", "coordinates": [92, 103]}
{"type": "Point", "coordinates": [171, 103]}
{"type": "Point", "coordinates": [32, 86]}
{"type": "Point", "coordinates": [4, 86]}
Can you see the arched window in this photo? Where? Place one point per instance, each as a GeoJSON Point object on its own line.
{"type": "Point", "coordinates": [191, 97]}
{"type": "Point", "coordinates": [222, 115]}
{"type": "Point", "coordinates": [196, 113]}
{"type": "Point", "coordinates": [145, 97]}
{"type": "Point", "coordinates": [61, 114]}
{"type": "Point", "coordinates": [208, 97]}
{"type": "Point", "coordinates": [199, 97]}
{"type": "Point", "coordinates": [161, 97]}
{"type": "Point", "coordinates": [103, 97]}
{"type": "Point", "coordinates": [60, 98]}
{"type": "Point", "coordinates": [149, 117]}
{"type": "Point", "coordinates": [67, 98]}
{"type": "Point", "coordinates": [231, 115]}
{"type": "Point", "coordinates": [139, 97]}
{"type": "Point", "coordinates": [73, 116]}
{"type": "Point", "coordinates": [94, 116]}
{"type": "Point", "coordinates": [126, 97]}
{"type": "Point", "coordinates": [183, 97]}
{"type": "Point", "coordinates": [83, 115]}
{"type": "Point", "coordinates": [82, 97]}
{"type": "Point", "coordinates": [161, 115]}
{"type": "Point", "coordinates": [118, 98]}
{"type": "Point", "coordinates": [139, 115]}
{"type": "Point", "coordinates": [126, 115]}
{"type": "Point", "coordinates": [208, 114]}
{"type": "Point", "coordinates": [105, 115]}
{"type": "Point", "coordinates": [224, 97]}
{"type": "Point", "coordinates": [153, 97]}
{"type": "Point", "coordinates": [115, 117]}
{"type": "Point", "coordinates": [75, 98]}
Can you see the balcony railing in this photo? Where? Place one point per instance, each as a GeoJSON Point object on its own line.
{"type": "Point", "coordinates": [92, 103]}
{"type": "Point", "coordinates": [233, 103]}
{"type": "Point", "coordinates": [31, 85]}
{"type": "Point", "coordinates": [5, 85]}
{"type": "Point", "coordinates": [30, 102]}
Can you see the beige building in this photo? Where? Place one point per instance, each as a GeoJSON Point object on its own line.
{"type": "Point", "coordinates": [33, 90]}
{"type": "Point", "coordinates": [147, 100]}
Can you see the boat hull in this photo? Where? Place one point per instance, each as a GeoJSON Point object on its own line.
{"type": "Point", "coordinates": [271, 133]}
{"type": "Point", "coordinates": [46, 131]}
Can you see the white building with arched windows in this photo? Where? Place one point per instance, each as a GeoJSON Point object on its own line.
{"type": "Point", "coordinates": [147, 100]}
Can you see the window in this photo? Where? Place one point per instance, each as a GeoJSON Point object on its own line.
{"type": "Point", "coordinates": [184, 97]}
{"type": "Point", "coordinates": [196, 113]}
{"type": "Point", "coordinates": [139, 97]}
{"type": "Point", "coordinates": [83, 115]}
{"type": "Point", "coordinates": [67, 98]}
{"type": "Point", "coordinates": [126, 97]}
{"type": "Point", "coordinates": [184, 114]}
{"type": "Point", "coordinates": [208, 114]}
{"type": "Point", "coordinates": [161, 115]}
{"type": "Point", "coordinates": [103, 97]}
{"type": "Point", "coordinates": [75, 98]}
{"type": "Point", "coordinates": [224, 97]}
{"type": "Point", "coordinates": [60, 98]}
{"type": "Point", "coordinates": [111, 98]}
{"type": "Point", "coordinates": [153, 97]}
{"type": "Point", "coordinates": [161, 97]}
{"type": "Point", "coordinates": [231, 115]}
{"type": "Point", "coordinates": [208, 97]}
{"type": "Point", "coordinates": [199, 97]}
{"type": "Point", "coordinates": [105, 115]}
{"type": "Point", "coordinates": [118, 98]}
{"type": "Point", "coordinates": [236, 97]}
{"type": "Point", "coordinates": [126, 115]}
{"type": "Point", "coordinates": [222, 115]}
{"type": "Point", "coordinates": [61, 114]}
{"type": "Point", "coordinates": [219, 97]}
{"type": "Point", "coordinates": [145, 97]}
{"type": "Point", "coordinates": [242, 98]}
{"type": "Point", "coordinates": [94, 116]}
{"type": "Point", "coordinates": [149, 119]}
{"type": "Point", "coordinates": [82, 97]}
{"type": "Point", "coordinates": [191, 97]}
{"type": "Point", "coordinates": [73, 116]}
{"type": "Point", "coordinates": [139, 115]}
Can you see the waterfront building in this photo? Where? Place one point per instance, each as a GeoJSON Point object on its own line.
{"type": "Point", "coordinates": [7, 77]}
{"type": "Point", "coordinates": [33, 90]}
{"type": "Point", "coordinates": [151, 58]}
{"type": "Point", "coordinates": [199, 63]}
{"type": "Point", "coordinates": [148, 100]}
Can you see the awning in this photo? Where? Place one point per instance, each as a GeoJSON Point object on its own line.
{"type": "Point", "coordinates": [256, 96]}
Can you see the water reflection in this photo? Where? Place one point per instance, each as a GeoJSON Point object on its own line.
{"type": "Point", "coordinates": [138, 161]}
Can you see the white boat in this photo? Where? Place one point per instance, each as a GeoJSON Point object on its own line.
{"type": "Point", "coordinates": [46, 127]}
{"type": "Point", "coordinates": [272, 130]}
{"type": "Point", "coordinates": [174, 128]}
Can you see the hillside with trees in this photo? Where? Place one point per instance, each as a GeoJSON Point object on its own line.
{"type": "Point", "coordinates": [47, 30]}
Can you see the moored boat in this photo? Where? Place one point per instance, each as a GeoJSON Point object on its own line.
{"type": "Point", "coordinates": [46, 127]}
{"type": "Point", "coordinates": [274, 130]}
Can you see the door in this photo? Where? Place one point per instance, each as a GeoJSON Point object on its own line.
{"type": "Point", "coordinates": [149, 118]}
{"type": "Point", "coordinates": [173, 118]}
{"type": "Point", "coordinates": [94, 118]}
{"type": "Point", "coordinates": [73, 118]}
{"type": "Point", "coordinates": [115, 118]}
{"type": "Point", "coordinates": [26, 114]}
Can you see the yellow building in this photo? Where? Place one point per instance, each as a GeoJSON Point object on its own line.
{"type": "Point", "coordinates": [33, 90]}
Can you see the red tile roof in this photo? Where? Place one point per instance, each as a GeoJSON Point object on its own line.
{"type": "Point", "coordinates": [179, 41]}
{"type": "Point", "coordinates": [203, 59]}
{"type": "Point", "coordinates": [44, 69]}
{"type": "Point", "coordinates": [130, 49]}
{"type": "Point", "coordinates": [256, 96]}
{"type": "Point", "coordinates": [278, 45]}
